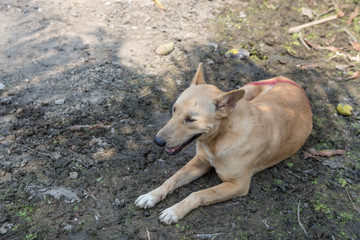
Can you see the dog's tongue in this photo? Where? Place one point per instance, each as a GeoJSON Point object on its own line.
{"type": "Point", "coordinates": [171, 150]}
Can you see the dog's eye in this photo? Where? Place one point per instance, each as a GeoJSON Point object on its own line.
{"type": "Point", "coordinates": [189, 120]}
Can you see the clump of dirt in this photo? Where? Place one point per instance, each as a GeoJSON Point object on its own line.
{"type": "Point", "coordinates": [84, 93]}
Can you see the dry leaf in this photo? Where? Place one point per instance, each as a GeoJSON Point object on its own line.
{"type": "Point", "coordinates": [158, 4]}
{"type": "Point", "coordinates": [352, 16]}
{"type": "Point", "coordinates": [354, 75]}
{"type": "Point", "coordinates": [356, 46]}
{"type": "Point", "coordinates": [323, 153]}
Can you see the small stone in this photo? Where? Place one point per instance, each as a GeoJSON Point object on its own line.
{"type": "Point", "coordinates": [60, 101]}
{"type": "Point", "coordinates": [73, 175]}
{"type": "Point", "coordinates": [119, 203]}
{"type": "Point", "coordinates": [7, 177]}
{"type": "Point", "coordinates": [2, 86]}
{"type": "Point", "coordinates": [164, 49]}
{"type": "Point", "coordinates": [239, 54]}
{"type": "Point", "coordinates": [253, 210]}
{"type": "Point", "coordinates": [344, 109]}
{"type": "Point", "coordinates": [6, 166]}
{"type": "Point", "coordinates": [3, 230]}
{"type": "Point", "coordinates": [146, 213]}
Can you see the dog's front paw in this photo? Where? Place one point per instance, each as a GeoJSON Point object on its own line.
{"type": "Point", "coordinates": [146, 201]}
{"type": "Point", "coordinates": [168, 216]}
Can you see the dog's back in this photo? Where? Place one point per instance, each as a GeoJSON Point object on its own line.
{"type": "Point", "coordinates": [282, 101]}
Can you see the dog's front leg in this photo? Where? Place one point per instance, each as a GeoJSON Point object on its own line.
{"type": "Point", "coordinates": [221, 192]}
{"type": "Point", "coordinates": [195, 168]}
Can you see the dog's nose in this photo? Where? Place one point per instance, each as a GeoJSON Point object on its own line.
{"type": "Point", "coordinates": [160, 141]}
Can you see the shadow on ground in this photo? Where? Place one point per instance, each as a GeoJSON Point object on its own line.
{"type": "Point", "coordinates": [76, 150]}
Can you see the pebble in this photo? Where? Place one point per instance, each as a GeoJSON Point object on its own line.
{"type": "Point", "coordinates": [119, 203]}
{"type": "Point", "coordinates": [3, 230]}
{"type": "Point", "coordinates": [2, 86]}
{"type": "Point", "coordinates": [239, 54]}
{"type": "Point", "coordinates": [344, 109]}
{"type": "Point", "coordinates": [60, 101]}
{"type": "Point", "coordinates": [164, 49]}
{"type": "Point", "coordinates": [73, 175]}
{"type": "Point", "coordinates": [146, 213]}
{"type": "Point", "coordinates": [7, 177]}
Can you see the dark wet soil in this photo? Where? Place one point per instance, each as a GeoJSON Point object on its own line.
{"type": "Point", "coordinates": [84, 94]}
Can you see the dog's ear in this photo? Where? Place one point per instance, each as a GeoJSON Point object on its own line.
{"type": "Point", "coordinates": [226, 102]}
{"type": "Point", "coordinates": [199, 77]}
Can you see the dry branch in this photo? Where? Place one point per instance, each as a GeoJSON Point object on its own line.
{"type": "Point", "coordinates": [350, 34]}
{"type": "Point", "coordinates": [95, 126]}
{"type": "Point", "coordinates": [306, 25]}
{"type": "Point", "coordinates": [352, 16]}
{"type": "Point", "coordinates": [301, 39]}
{"type": "Point", "coordinates": [298, 215]}
{"type": "Point", "coordinates": [148, 234]}
{"type": "Point", "coordinates": [353, 204]}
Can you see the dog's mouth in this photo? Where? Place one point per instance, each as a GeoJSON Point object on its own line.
{"type": "Point", "coordinates": [176, 150]}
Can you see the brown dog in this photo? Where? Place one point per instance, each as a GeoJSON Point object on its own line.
{"type": "Point", "coordinates": [239, 133]}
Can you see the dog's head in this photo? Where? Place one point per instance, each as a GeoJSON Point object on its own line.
{"type": "Point", "coordinates": [197, 114]}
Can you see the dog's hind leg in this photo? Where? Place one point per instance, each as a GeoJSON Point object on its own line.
{"type": "Point", "coordinates": [219, 193]}
{"type": "Point", "coordinates": [194, 169]}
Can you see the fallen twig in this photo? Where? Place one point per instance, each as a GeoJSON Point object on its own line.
{"type": "Point", "coordinates": [353, 204]}
{"type": "Point", "coordinates": [33, 150]}
{"type": "Point", "coordinates": [318, 47]}
{"type": "Point", "coordinates": [207, 236]}
{"type": "Point", "coordinates": [310, 66]}
{"type": "Point", "coordinates": [298, 216]}
{"type": "Point", "coordinates": [349, 33]}
{"type": "Point", "coordinates": [95, 126]}
{"type": "Point", "coordinates": [335, 50]}
{"type": "Point", "coordinates": [148, 233]}
{"type": "Point", "coordinates": [301, 39]}
{"type": "Point", "coordinates": [306, 25]}
{"type": "Point", "coordinates": [324, 153]}
{"type": "Point", "coordinates": [352, 16]}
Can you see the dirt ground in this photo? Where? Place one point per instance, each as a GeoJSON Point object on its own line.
{"type": "Point", "coordinates": [83, 93]}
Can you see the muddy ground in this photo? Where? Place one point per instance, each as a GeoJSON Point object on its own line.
{"type": "Point", "coordinates": [93, 63]}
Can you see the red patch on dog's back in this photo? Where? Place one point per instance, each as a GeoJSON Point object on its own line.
{"type": "Point", "coordinates": [275, 81]}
